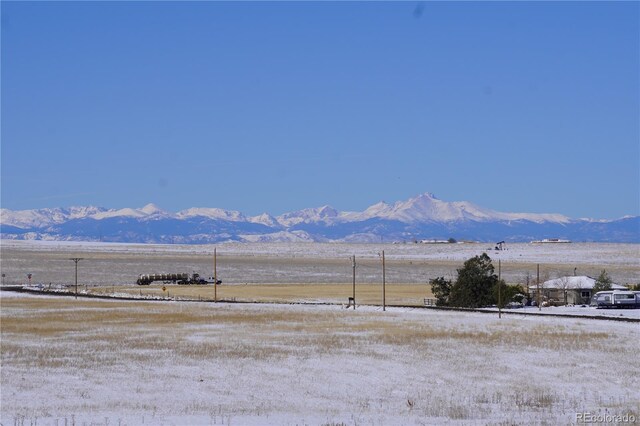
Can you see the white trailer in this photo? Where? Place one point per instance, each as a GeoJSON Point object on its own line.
{"type": "Point", "coordinates": [616, 299]}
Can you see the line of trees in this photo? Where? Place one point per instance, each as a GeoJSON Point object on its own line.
{"type": "Point", "coordinates": [477, 285]}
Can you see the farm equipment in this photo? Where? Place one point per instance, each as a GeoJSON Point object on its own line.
{"type": "Point", "coordinates": [184, 279]}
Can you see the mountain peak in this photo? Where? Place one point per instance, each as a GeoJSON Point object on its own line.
{"type": "Point", "coordinates": [327, 211]}
{"type": "Point", "coordinates": [265, 219]}
{"type": "Point", "coordinates": [378, 209]}
{"type": "Point", "coordinates": [151, 209]}
{"type": "Point", "coordinates": [427, 195]}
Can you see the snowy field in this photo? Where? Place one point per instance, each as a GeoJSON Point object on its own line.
{"type": "Point", "coordinates": [585, 311]}
{"type": "Point", "coordinates": [67, 361]}
{"type": "Point", "coordinates": [578, 253]}
{"type": "Point", "coordinates": [120, 264]}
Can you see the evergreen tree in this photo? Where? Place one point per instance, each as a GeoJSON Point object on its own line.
{"type": "Point", "coordinates": [441, 289]}
{"type": "Point", "coordinates": [475, 284]}
{"type": "Point", "coordinates": [602, 283]}
{"type": "Point", "coordinates": [507, 293]}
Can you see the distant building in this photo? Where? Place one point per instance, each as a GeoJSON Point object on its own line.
{"type": "Point", "coordinates": [434, 241]}
{"type": "Point", "coordinates": [576, 290]}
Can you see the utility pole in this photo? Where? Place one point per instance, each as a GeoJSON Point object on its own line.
{"type": "Point", "coordinates": [499, 291]}
{"type": "Point", "coordinates": [353, 265]}
{"type": "Point", "coordinates": [215, 275]}
{"type": "Point", "coordinates": [384, 280]}
{"type": "Point", "coordinates": [76, 260]}
{"type": "Point", "coordinates": [538, 286]}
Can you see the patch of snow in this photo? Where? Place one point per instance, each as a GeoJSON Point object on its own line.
{"type": "Point", "coordinates": [45, 217]}
{"type": "Point", "coordinates": [265, 219]}
{"type": "Point", "coordinates": [282, 236]}
{"type": "Point", "coordinates": [212, 213]}
{"type": "Point", "coordinates": [574, 310]}
{"type": "Point", "coordinates": [151, 209]}
{"type": "Point", "coordinates": [126, 212]}
{"type": "Point", "coordinates": [325, 214]}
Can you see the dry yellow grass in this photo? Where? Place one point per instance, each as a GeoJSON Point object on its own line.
{"type": "Point", "coordinates": [47, 318]}
{"type": "Point", "coordinates": [83, 333]}
{"type": "Point", "coordinates": [147, 359]}
{"type": "Point", "coordinates": [367, 294]}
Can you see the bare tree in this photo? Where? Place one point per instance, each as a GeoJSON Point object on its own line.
{"type": "Point", "coordinates": [577, 286]}
{"type": "Point", "coordinates": [564, 284]}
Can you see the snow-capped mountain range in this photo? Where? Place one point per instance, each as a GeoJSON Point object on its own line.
{"type": "Point", "coordinates": [421, 217]}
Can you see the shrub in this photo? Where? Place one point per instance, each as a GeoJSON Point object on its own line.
{"type": "Point", "coordinates": [509, 293]}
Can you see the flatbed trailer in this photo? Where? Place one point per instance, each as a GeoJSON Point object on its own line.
{"type": "Point", "coordinates": [182, 278]}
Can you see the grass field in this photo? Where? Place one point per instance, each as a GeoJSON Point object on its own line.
{"type": "Point", "coordinates": [306, 263]}
{"type": "Point", "coordinates": [368, 294]}
{"type": "Point", "coordinates": [107, 362]}
{"type": "Point", "coordinates": [115, 362]}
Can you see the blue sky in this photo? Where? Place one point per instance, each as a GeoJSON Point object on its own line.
{"type": "Point", "coordinates": [278, 106]}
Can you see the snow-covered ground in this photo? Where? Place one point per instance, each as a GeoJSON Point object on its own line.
{"type": "Point", "coordinates": [569, 310]}
{"type": "Point", "coordinates": [586, 311]}
{"type": "Point", "coordinates": [573, 253]}
{"type": "Point", "coordinates": [113, 362]}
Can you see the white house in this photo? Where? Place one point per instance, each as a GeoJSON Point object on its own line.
{"type": "Point", "coordinates": [569, 290]}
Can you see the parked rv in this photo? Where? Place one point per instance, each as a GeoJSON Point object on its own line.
{"type": "Point", "coordinates": [616, 299]}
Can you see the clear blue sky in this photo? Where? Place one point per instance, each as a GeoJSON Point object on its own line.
{"type": "Point", "coordinates": [520, 107]}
